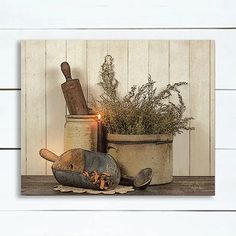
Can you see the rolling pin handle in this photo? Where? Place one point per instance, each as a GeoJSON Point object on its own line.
{"type": "Point", "coordinates": [48, 155]}
{"type": "Point", "coordinates": [65, 68]}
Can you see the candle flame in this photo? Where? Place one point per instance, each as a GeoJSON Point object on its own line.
{"type": "Point", "coordinates": [99, 116]}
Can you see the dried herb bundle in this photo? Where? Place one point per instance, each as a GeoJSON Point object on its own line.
{"type": "Point", "coordinates": [142, 110]}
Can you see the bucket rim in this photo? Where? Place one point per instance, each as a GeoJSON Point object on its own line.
{"type": "Point", "coordinates": [139, 137]}
{"type": "Point", "coordinates": [86, 117]}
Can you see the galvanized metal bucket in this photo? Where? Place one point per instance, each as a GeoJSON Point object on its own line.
{"type": "Point", "coordinates": [80, 131]}
{"type": "Point", "coordinates": [136, 152]}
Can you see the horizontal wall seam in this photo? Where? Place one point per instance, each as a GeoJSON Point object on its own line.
{"type": "Point", "coordinates": [219, 149]}
{"type": "Point", "coordinates": [7, 148]}
{"type": "Point", "coordinates": [124, 28]}
{"type": "Point", "coordinates": [17, 89]}
{"type": "Point", "coordinates": [226, 89]}
{"type": "Point", "coordinates": [10, 89]}
{"type": "Point", "coordinates": [124, 210]}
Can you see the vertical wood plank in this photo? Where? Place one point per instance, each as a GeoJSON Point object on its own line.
{"type": "Point", "coordinates": [159, 65]}
{"type": "Point", "coordinates": [96, 52]}
{"type": "Point", "coordinates": [35, 106]}
{"type": "Point", "coordinates": [199, 100]}
{"type": "Point", "coordinates": [159, 62]}
{"type": "Point", "coordinates": [23, 110]}
{"type": "Point", "coordinates": [77, 58]}
{"type": "Point", "coordinates": [212, 109]}
{"type": "Point", "coordinates": [138, 62]}
{"type": "Point", "coordinates": [119, 51]}
{"type": "Point", "coordinates": [133, 61]}
{"type": "Point", "coordinates": [55, 103]}
{"type": "Point", "coordinates": [179, 71]}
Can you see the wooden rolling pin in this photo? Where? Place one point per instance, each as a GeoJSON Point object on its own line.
{"type": "Point", "coordinates": [73, 93]}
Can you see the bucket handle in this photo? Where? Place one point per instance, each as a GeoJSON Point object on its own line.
{"type": "Point", "coordinates": [109, 147]}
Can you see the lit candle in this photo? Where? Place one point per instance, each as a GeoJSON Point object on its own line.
{"type": "Point", "coordinates": [99, 136]}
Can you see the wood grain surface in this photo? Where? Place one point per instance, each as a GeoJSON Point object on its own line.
{"type": "Point", "coordinates": [200, 107]}
{"type": "Point", "coordinates": [179, 71]}
{"type": "Point", "coordinates": [187, 185]}
{"type": "Point", "coordinates": [43, 105]}
{"type": "Point", "coordinates": [55, 103]}
{"type": "Point", "coordinates": [162, 19]}
{"type": "Point", "coordinates": [35, 135]}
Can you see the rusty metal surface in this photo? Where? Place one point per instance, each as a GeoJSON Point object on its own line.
{"type": "Point", "coordinates": [100, 171]}
{"type": "Point", "coordinates": [140, 181]}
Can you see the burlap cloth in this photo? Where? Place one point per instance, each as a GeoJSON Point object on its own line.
{"type": "Point", "coordinates": [119, 189]}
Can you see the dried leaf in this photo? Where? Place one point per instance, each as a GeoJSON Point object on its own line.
{"type": "Point", "coordinates": [143, 110]}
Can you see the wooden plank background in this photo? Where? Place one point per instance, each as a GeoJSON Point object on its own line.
{"type": "Point", "coordinates": [43, 104]}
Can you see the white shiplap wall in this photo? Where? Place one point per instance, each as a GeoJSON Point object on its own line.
{"type": "Point", "coordinates": [38, 17]}
{"type": "Point", "coordinates": [224, 74]}
{"type": "Point", "coordinates": [43, 105]}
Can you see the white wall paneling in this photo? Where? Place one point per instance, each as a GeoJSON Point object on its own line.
{"type": "Point", "coordinates": [9, 119]}
{"type": "Point", "coordinates": [212, 112]}
{"type": "Point", "coordinates": [114, 14]}
{"type": "Point", "coordinates": [179, 70]}
{"type": "Point", "coordinates": [199, 107]}
{"type": "Point", "coordinates": [225, 156]}
{"type": "Point", "coordinates": [119, 50]}
{"type": "Point", "coordinates": [138, 62]}
{"type": "Point", "coordinates": [21, 20]}
{"type": "Point", "coordinates": [224, 72]}
{"type": "Point", "coordinates": [9, 60]}
{"type": "Point", "coordinates": [117, 223]}
{"type": "Point", "coordinates": [96, 51]}
{"type": "Point", "coordinates": [34, 102]}
{"type": "Point", "coordinates": [225, 119]}
{"type": "Point", "coordinates": [77, 58]}
{"type": "Point", "coordinates": [55, 54]}
{"type": "Point", "coordinates": [225, 48]}
{"type": "Point", "coordinates": [169, 61]}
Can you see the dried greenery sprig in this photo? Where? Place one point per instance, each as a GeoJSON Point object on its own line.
{"type": "Point", "coordinates": [142, 110]}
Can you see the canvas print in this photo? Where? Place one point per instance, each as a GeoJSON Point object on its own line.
{"type": "Point", "coordinates": [108, 117]}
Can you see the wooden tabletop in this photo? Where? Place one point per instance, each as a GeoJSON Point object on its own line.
{"type": "Point", "coordinates": [186, 185]}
